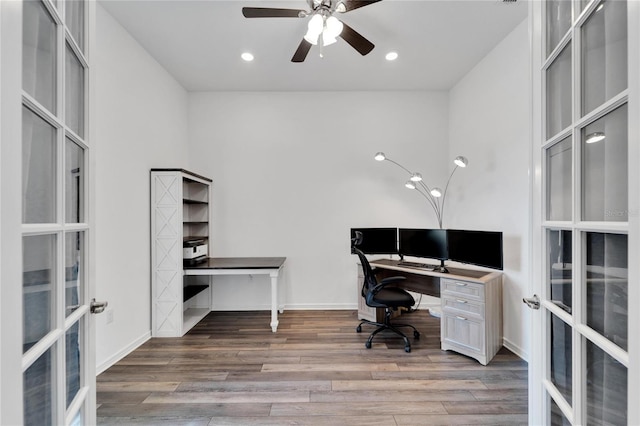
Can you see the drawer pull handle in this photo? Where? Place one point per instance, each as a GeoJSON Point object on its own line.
{"type": "Point", "coordinates": [461, 284]}
{"type": "Point", "coordinates": [461, 301]}
{"type": "Point", "coordinates": [461, 318]}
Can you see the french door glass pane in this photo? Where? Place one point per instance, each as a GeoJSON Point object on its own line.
{"type": "Point", "coordinates": [78, 419]}
{"type": "Point", "coordinates": [559, 180]}
{"type": "Point", "coordinates": [560, 268]}
{"type": "Point", "coordinates": [74, 270]}
{"type": "Point", "coordinates": [74, 182]}
{"type": "Point", "coordinates": [75, 20]}
{"type": "Point", "coordinates": [74, 80]}
{"type": "Point", "coordinates": [73, 354]}
{"type": "Point", "coordinates": [38, 287]}
{"type": "Point", "coordinates": [604, 54]}
{"type": "Point", "coordinates": [39, 54]}
{"type": "Point", "coordinates": [606, 275]}
{"type": "Point", "coordinates": [604, 168]}
{"type": "Point", "coordinates": [560, 356]}
{"type": "Point", "coordinates": [556, 416]}
{"type": "Point", "coordinates": [558, 92]}
{"type": "Point", "coordinates": [558, 22]}
{"type": "Point", "coordinates": [39, 382]}
{"type": "Point", "coordinates": [606, 388]}
{"type": "Point", "coordinates": [38, 169]}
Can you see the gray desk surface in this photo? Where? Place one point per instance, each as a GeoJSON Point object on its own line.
{"type": "Point", "coordinates": [454, 273]}
{"type": "Point", "coordinates": [239, 263]}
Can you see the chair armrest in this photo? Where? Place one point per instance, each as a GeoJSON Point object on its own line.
{"type": "Point", "coordinates": [385, 282]}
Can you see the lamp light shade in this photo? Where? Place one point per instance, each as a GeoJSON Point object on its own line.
{"type": "Point", "coordinates": [409, 184]}
{"type": "Point", "coordinates": [327, 39]}
{"type": "Point", "coordinates": [314, 28]}
{"type": "Point", "coordinates": [333, 27]}
{"type": "Point", "coordinates": [380, 156]}
{"type": "Point", "coordinates": [461, 161]}
{"type": "Point", "coordinates": [416, 177]}
{"type": "Point", "coordinates": [436, 192]}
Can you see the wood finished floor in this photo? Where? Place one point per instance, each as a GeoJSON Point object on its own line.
{"type": "Point", "coordinates": [232, 370]}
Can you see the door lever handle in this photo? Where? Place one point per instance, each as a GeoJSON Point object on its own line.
{"type": "Point", "coordinates": [97, 307]}
{"type": "Point", "coordinates": [532, 302]}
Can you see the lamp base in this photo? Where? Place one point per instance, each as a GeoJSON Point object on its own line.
{"type": "Point", "coordinates": [442, 269]}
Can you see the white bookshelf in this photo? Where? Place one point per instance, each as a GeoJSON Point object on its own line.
{"type": "Point", "coordinates": [180, 211]}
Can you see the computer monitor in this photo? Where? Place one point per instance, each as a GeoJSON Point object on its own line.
{"type": "Point", "coordinates": [482, 248]}
{"type": "Point", "coordinates": [377, 240]}
{"type": "Point", "coordinates": [429, 243]}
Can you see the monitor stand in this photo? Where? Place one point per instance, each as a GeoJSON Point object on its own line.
{"type": "Point", "coordinates": [441, 268]}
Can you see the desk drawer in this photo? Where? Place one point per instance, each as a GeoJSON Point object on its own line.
{"type": "Point", "coordinates": [463, 332]}
{"type": "Point", "coordinates": [463, 307]}
{"type": "Point", "coordinates": [462, 289]}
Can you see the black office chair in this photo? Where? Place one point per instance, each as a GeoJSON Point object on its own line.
{"type": "Point", "coordinates": [379, 295]}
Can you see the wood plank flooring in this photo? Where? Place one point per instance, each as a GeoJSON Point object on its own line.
{"type": "Point", "coordinates": [232, 370]}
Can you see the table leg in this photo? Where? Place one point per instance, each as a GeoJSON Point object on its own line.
{"type": "Point", "coordinates": [274, 301]}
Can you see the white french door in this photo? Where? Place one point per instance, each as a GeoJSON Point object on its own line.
{"type": "Point", "coordinates": [58, 373]}
{"type": "Point", "coordinates": [585, 217]}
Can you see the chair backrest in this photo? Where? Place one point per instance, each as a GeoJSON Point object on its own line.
{"type": "Point", "coordinates": [369, 281]}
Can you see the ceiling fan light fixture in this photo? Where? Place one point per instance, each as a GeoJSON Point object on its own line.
{"type": "Point", "coordinates": [314, 28]}
{"type": "Point", "coordinates": [327, 40]}
{"type": "Point", "coordinates": [333, 27]}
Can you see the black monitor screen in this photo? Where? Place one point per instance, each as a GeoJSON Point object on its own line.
{"type": "Point", "coordinates": [377, 240]}
{"type": "Point", "coordinates": [430, 243]}
{"type": "Point", "coordinates": [482, 248]}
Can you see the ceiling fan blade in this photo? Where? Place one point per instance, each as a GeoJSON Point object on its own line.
{"type": "Point", "coordinates": [356, 41]}
{"type": "Point", "coordinates": [270, 12]}
{"type": "Point", "coordinates": [355, 4]}
{"type": "Point", "coordinates": [301, 53]}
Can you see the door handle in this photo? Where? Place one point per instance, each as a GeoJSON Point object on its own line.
{"type": "Point", "coordinates": [97, 307]}
{"type": "Point", "coordinates": [532, 302]}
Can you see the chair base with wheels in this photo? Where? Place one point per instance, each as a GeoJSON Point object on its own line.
{"type": "Point", "coordinates": [387, 325]}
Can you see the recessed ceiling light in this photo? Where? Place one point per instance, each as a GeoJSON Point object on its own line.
{"type": "Point", "coordinates": [247, 56]}
{"type": "Point", "coordinates": [391, 56]}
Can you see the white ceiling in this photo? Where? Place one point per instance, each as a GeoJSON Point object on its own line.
{"type": "Point", "coordinates": [200, 42]}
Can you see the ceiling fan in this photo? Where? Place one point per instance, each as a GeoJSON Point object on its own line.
{"type": "Point", "coordinates": [323, 28]}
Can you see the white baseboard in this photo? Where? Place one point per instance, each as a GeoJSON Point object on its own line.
{"type": "Point", "coordinates": [122, 353]}
{"type": "Point", "coordinates": [515, 349]}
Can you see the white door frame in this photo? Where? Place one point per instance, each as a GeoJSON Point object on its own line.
{"type": "Point", "coordinates": [10, 216]}
{"type": "Point", "coordinates": [11, 104]}
{"type": "Point", "coordinates": [633, 28]}
{"type": "Point", "coordinates": [537, 365]}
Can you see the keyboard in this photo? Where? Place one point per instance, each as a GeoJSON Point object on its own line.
{"type": "Point", "coordinates": [415, 265]}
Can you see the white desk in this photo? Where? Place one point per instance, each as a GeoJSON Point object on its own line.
{"type": "Point", "coordinates": [244, 266]}
{"type": "Point", "coordinates": [471, 303]}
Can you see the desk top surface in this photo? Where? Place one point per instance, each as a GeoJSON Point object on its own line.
{"type": "Point", "coordinates": [239, 263]}
{"type": "Point", "coordinates": [454, 273]}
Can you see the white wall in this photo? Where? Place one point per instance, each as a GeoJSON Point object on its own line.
{"type": "Point", "coordinates": [489, 123]}
{"type": "Point", "coordinates": [293, 172]}
{"type": "Point", "coordinates": [141, 123]}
